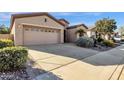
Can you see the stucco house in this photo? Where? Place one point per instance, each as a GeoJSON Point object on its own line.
{"type": "Point", "coordinates": [91, 31]}
{"type": "Point", "coordinates": [71, 32]}
{"type": "Point", "coordinates": [42, 28]}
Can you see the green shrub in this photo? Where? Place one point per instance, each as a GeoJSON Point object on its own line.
{"type": "Point", "coordinates": [85, 42]}
{"type": "Point", "coordinates": [108, 43]}
{"type": "Point", "coordinates": [6, 43]}
{"type": "Point", "coordinates": [12, 58]}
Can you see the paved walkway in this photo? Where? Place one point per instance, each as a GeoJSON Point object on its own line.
{"type": "Point", "coordinates": [69, 62]}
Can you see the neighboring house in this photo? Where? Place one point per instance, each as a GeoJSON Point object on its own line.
{"type": "Point", "coordinates": [91, 31]}
{"type": "Point", "coordinates": [71, 32]}
{"type": "Point", "coordinates": [42, 28]}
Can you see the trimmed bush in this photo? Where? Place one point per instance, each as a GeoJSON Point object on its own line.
{"type": "Point", "coordinates": [13, 58]}
{"type": "Point", "coordinates": [85, 42]}
{"type": "Point", "coordinates": [108, 43]}
{"type": "Point", "coordinates": [6, 43]}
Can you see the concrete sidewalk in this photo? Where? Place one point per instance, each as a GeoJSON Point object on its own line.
{"type": "Point", "coordinates": [102, 66]}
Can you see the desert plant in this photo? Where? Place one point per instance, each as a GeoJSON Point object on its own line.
{"type": "Point", "coordinates": [94, 39]}
{"type": "Point", "coordinates": [85, 42]}
{"type": "Point", "coordinates": [108, 43]}
{"type": "Point", "coordinates": [6, 43]}
{"type": "Point", "coordinates": [12, 58]}
{"type": "Point", "coordinates": [81, 32]}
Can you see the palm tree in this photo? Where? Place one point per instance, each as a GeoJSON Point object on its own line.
{"type": "Point", "coordinates": [81, 32]}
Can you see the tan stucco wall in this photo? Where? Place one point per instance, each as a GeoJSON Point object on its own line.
{"type": "Point", "coordinates": [62, 36]}
{"type": "Point", "coordinates": [13, 29]}
{"type": "Point", "coordinates": [90, 33]}
{"type": "Point", "coordinates": [13, 32]}
{"type": "Point", "coordinates": [71, 34]}
{"type": "Point", "coordinates": [36, 20]}
{"type": "Point", "coordinates": [105, 36]}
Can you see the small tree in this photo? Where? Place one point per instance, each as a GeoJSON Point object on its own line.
{"type": "Point", "coordinates": [105, 26]}
{"type": "Point", "coordinates": [81, 32]}
{"type": "Point", "coordinates": [4, 29]}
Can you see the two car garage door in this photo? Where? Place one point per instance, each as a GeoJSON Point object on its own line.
{"type": "Point", "coordinates": [37, 36]}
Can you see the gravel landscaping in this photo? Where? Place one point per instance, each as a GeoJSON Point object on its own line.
{"type": "Point", "coordinates": [15, 75]}
{"type": "Point", "coordinates": [104, 48]}
{"type": "Point", "coordinates": [27, 73]}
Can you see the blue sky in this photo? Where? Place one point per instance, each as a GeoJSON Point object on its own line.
{"type": "Point", "coordinates": [88, 18]}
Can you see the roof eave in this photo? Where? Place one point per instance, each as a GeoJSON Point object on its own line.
{"type": "Point", "coordinates": [16, 16]}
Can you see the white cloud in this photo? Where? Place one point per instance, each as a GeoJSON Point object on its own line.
{"type": "Point", "coordinates": [76, 23]}
{"type": "Point", "coordinates": [62, 13]}
{"type": "Point", "coordinates": [89, 24]}
{"type": "Point", "coordinates": [65, 13]}
{"type": "Point", "coordinates": [77, 13]}
{"type": "Point", "coordinates": [94, 13]}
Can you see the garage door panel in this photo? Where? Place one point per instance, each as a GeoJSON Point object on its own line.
{"type": "Point", "coordinates": [39, 37]}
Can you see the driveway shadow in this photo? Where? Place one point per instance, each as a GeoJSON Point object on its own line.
{"type": "Point", "coordinates": [111, 57]}
{"type": "Point", "coordinates": [67, 50]}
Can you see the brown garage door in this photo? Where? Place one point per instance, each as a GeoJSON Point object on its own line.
{"type": "Point", "coordinates": [36, 36]}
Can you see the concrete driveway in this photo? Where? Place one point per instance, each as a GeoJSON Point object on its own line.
{"type": "Point", "coordinates": [69, 62]}
{"type": "Point", "coordinates": [64, 50]}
